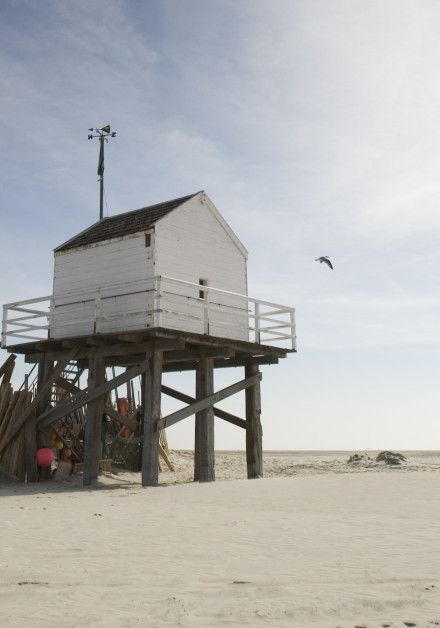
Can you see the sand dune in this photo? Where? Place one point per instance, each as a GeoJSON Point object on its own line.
{"type": "Point", "coordinates": [334, 547]}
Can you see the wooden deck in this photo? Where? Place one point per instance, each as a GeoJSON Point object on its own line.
{"type": "Point", "coordinates": [181, 350]}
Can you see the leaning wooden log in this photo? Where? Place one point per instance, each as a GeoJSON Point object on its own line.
{"type": "Point", "coordinates": [13, 456]}
{"type": "Point", "coordinates": [7, 367]}
{"type": "Point", "coordinates": [53, 375]}
{"type": "Point", "coordinates": [6, 418]}
{"type": "Point", "coordinates": [166, 458]}
{"type": "Point", "coordinates": [5, 398]}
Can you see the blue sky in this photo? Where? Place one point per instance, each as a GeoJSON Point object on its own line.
{"type": "Point", "coordinates": [314, 128]}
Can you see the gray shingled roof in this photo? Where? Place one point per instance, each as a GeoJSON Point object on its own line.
{"type": "Point", "coordinates": [123, 224]}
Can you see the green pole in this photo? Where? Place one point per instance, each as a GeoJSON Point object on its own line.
{"type": "Point", "coordinates": [101, 180]}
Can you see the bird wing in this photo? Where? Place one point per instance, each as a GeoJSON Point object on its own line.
{"type": "Point", "coordinates": [328, 262]}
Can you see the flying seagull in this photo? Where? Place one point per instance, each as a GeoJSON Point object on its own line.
{"type": "Point", "coordinates": [326, 260]}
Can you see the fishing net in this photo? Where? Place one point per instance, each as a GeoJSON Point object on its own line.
{"type": "Point", "coordinates": [125, 450]}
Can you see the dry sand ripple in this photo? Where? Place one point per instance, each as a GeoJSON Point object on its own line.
{"type": "Point", "coordinates": [326, 549]}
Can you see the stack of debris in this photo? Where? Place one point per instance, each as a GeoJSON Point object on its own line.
{"type": "Point", "coordinates": [12, 405]}
{"type": "Point", "coordinates": [392, 458]}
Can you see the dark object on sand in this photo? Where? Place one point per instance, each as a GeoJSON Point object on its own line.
{"type": "Point", "coordinates": [359, 458]}
{"type": "Point", "coordinates": [390, 457]}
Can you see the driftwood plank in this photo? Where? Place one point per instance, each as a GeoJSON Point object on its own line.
{"type": "Point", "coordinates": [6, 419]}
{"type": "Point", "coordinates": [30, 444]}
{"type": "Point", "coordinates": [11, 454]}
{"type": "Point", "coordinates": [7, 365]}
{"type": "Point", "coordinates": [56, 372]}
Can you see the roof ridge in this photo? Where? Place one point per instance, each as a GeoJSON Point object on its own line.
{"type": "Point", "coordinates": [171, 200]}
{"type": "Point", "coordinates": [125, 223]}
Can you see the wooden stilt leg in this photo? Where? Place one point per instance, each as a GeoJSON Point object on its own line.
{"type": "Point", "coordinates": [92, 437]}
{"type": "Point", "coordinates": [44, 368]}
{"type": "Point", "coordinates": [151, 418]}
{"type": "Point", "coordinates": [254, 432]}
{"type": "Point", "coordinates": [204, 434]}
{"type": "Point", "coordinates": [196, 452]}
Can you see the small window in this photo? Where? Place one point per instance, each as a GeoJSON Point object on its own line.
{"type": "Point", "coordinates": [148, 239]}
{"type": "Point", "coordinates": [202, 293]}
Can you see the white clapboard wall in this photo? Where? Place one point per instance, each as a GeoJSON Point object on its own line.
{"type": "Point", "coordinates": [108, 287]}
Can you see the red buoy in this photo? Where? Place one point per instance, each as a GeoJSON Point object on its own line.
{"type": "Point", "coordinates": [123, 406]}
{"type": "Point", "coordinates": [45, 457]}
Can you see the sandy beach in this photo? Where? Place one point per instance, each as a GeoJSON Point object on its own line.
{"type": "Point", "coordinates": [316, 542]}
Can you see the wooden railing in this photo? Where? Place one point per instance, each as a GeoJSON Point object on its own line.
{"type": "Point", "coordinates": [172, 302]}
{"type": "Point", "coordinates": [24, 322]}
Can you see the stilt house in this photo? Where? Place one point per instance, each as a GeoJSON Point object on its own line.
{"type": "Point", "coordinates": [158, 289]}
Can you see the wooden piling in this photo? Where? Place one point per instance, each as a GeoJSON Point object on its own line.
{"type": "Point", "coordinates": [44, 368]}
{"type": "Point", "coordinates": [92, 437]}
{"type": "Point", "coordinates": [151, 384]}
{"type": "Point", "coordinates": [204, 428]}
{"type": "Point", "coordinates": [254, 432]}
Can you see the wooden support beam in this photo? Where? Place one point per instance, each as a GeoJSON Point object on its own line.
{"type": "Point", "coordinates": [45, 366]}
{"type": "Point", "coordinates": [95, 407]}
{"type": "Point", "coordinates": [128, 338]}
{"type": "Point", "coordinates": [172, 367]}
{"type": "Point", "coordinates": [221, 414]}
{"type": "Point", "coordinates": [194, 354]}
{"type": "Point", "coordinates": [204, 425]}
{"type": "Point", "coordinates": [111, 350]}
{"type": "Point", "coordinates": [85, 396]}
{"type": "Point", "coordinates": [96, 341]}
{"type": "Point", "coordinates": [177, 416]}
{"type": "Point", "coordinates": [185, 365]}
{"type": "Point", "coordinates": [150, 447]}
{"type": "Point", "coordinates": [254, 432]}
{"type": "Point", "coordinates": [38, 401]}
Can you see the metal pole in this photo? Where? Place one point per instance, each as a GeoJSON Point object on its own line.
{"type": "Point", "coordinates": [101, 186]}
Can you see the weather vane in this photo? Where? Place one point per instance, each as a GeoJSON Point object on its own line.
{"type": "Point", "coordinates": [103, 135]}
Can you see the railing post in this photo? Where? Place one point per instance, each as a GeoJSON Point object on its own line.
{"type": "Point", "coordinates": [292, 328]}
{"type": "Point", "coordinates": [50, 318]}
{"type": "Point", "coordinates": [206, 311]}
{"type": "Point", "coordinates": [98, 310]}
{"type": "Point", "coordinates": [4, 326]}
{"type": "Point", "coordinates": [157, 300]}
{"type": "Point", "coordinates": [257, 323]}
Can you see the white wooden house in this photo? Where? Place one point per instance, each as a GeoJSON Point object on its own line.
{"type": "Point", "coordinates": [176, 265]}
{"type": "Point", "coordinates": [159, 289]}
{"type": "Point", "coordinates": [153, 267]}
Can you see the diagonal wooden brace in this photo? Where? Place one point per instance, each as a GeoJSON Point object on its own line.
{"type": "Point", "coordinates": [177, 416]}
{"type": "Point", "coordinates": [82, 398]}
{"type": "Point", "coordinates": [221, 414]}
